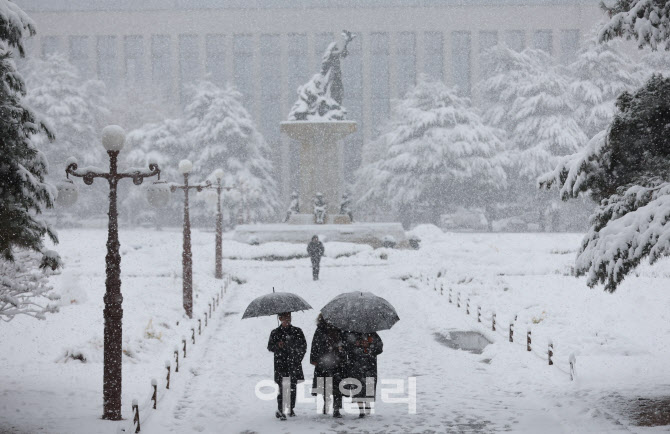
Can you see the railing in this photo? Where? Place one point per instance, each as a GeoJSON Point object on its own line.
{"type": "Point", "coordinates": [143, 413]}
{"type": "Point", "coordinates": [490, 316]}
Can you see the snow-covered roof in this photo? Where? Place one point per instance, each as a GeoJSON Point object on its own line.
{"type": "Point", "coordinates": [134, 5]}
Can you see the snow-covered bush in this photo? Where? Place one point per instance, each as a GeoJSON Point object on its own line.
{"type": "Point", "coordinates": [24, 289]}
{"type": "Point", "coordinates": [389, 242]}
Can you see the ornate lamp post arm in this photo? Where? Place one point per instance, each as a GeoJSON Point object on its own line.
{"type": "Point", "coordinates": [113, 312]}
{"type": "Point", "coordinates": [187, 256]}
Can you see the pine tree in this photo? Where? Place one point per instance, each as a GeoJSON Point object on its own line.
{"type": "Point", "coordinates": [24, 194]}
{"type": "Point", "coordinates": [527, 97]}
{"type": "Point", "coordinates": [626, 166]}
{"type": "Point", "coordinates": [215, 131]}
{"type": "Point", "coordinates": [598, 76]}
{"type": "Point", "coordinates": [226, 137]}
{"type": "Point", "coordinates": [439, 154]}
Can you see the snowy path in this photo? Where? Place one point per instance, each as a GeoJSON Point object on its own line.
{"type": "Point", "coordinates": [456, 391]}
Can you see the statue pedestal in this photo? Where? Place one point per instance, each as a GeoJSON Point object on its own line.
{"type": "Point", "coordinates": [321, 155]}
{"type": "Point", "coordinates": [309, 219]}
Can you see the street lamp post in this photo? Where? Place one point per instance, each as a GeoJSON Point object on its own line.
{"type": "Point", "coordinates": [113, 138]}
{"type": "Point", "coordinates": [218, 254]}
{"type": "Point", "coordinates": [185, 167]}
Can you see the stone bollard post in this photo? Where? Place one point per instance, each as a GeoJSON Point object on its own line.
{"type": "Point", "coordinates": [550, 353]}
{"type": "Point", "coordinates": [199, 327]}
{"type": "Point", "coordinates": [136, 416]}
{"type": "Point", "coordinates": [183, 341]}
{"type": "Point", "coordinates": [493, 323]}
{"type": "Point", "coordinates": [479, 314]}
{"type": "Point", "coordinates": [176, 358]}
{"type": "Point", "coordinates": [154, 397]}
{"type": "Point", "coordinates": [511, 332]}
{"type": "Point", "coordinates": [528, 341]}
{"type": "Point", "coordinates": [167, 378]}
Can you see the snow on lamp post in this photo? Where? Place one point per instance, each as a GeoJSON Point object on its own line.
{"type": "Point", "coordinates": [113, 138]}
{"type": "Point", "coordinates": [185, 167]}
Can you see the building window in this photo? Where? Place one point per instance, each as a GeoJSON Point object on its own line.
{"type": "Point", "coordinates": [487, 40]}
{"type": "Point", "coordinates": [379, 79]}
{"type": "Point", "coordinates": [569, 45]}
{"type": "Point", "coordinates": [543, 40]}
{"type": "Point", "coordinates": [79, 54]}
{"type": "Point", "coordinates": [161, 66]}
{"type": "Point", "coordinates": [434, 60]}
{"type": "Point", "coordinates": [134, 49]}
{"type": "Point", "coordinates": [461, 46]}
{"type": "Point", "coordinates": [515, 39]}
{"type": "Point", "coordinates": [189, 66]}
{"type": "Point", "coordinates": [50, 45]}
{"type": "Point", "coordinates": [106, 53]}
{"type": "Point", "coordinates": [243, 65]}
{"type": "Point", "coordinates": [406, 61]}
{"type": "Point", "coordinates": [270, 91]}
{"type": "Point", "coordinates": [352, 78]}
{"type": "Point", "coordinates": [215, 46]}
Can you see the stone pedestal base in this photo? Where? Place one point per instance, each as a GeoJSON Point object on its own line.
{"type": "Point", "coordinates": [309, 219]}
{"type": "Point", "coordinates": [362, 233]}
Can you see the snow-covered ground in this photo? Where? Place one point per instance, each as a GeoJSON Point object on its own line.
{"type": "Point", "coordinates": [620, 340]}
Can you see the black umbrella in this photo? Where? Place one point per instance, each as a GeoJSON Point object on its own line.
{"type": "Point", "coordinates": [274, 304]}
{"type": "Point", "coordinates": [361, 312]}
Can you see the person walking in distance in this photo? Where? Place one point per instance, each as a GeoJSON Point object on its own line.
{"type": "Point", "coordinates": [315, 250]}
{"type": "Point", "coordinates": [289, 347]}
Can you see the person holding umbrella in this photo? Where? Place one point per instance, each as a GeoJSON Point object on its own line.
{"type": "Point", "coordinates": [286, 342]}
{"type": "Point", "coordinates": [362, 314]}
{"type": "Point", "coordinates": [327, 356]}
{"type": "Point", "coordinates": [362, 350]}
{"type": "Point", "coordinates": [289, 347]}
{"type": "Point", "coordinates": [315, 250]}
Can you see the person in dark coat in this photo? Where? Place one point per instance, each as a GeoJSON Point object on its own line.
{"type": "Point", "coordinates": [327, 356]}
{"type": "Point", "coordinates": [362, 350]}
{"type": "Point", "coordinates": [315, 250]}
{"type": "Point", "coordinates": [289, 347]}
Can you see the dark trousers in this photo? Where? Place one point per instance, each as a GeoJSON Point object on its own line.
{"type": "Point", "coordinates": [315, 267]}
{"type": "Point", "coordinates": [292, 385]}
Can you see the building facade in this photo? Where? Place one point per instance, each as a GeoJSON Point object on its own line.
{"type": "Point", "coordinates": [267, 48]}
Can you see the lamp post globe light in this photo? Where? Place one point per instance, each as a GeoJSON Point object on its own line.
{"type": "Point", "coordinates": [185, 167]}
{"type": "Point", "coordinates": [113, 138]}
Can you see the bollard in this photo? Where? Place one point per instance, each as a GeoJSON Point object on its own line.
{"type": "Point", "coordinates": [467, 306]}
{"type": "Point", "coordinates": [511, 332]}
{"type": "Point", "coordinates": [176, 358]}
{"type": "Point", "coordinates": [479, 314]}
{"type": "Point", "coordinates": [136, 417]}
{"type": "Point", "coordinates": [199, 327]}
{"type": "Point", "coordinates": [441, 288]}
{"type": "Point", "coordinates": [550, 353]}
{"type": "Point", "coordinates": [205, 318]}
{"type": "Point", "coordinates": [210, 310]}
{"type": "Point", "coordinates": [183, 341]}
{"type": "Point", "coordinates": [450, 290]}
{"type": "Point", "coordinates": [573, 362]}
{"type": "Point", "coordinates": [167, 379]}
{"type": "Point", "coordinates": [528, 341]}
{"type": "Point", "coordinates": [192, 335]}
{"type": "Point", "coordinates": [154, 397]}
{"type": "Point", "coordinates": [493, 322]}
{"type": "Point", "coordinates": [458, 300]}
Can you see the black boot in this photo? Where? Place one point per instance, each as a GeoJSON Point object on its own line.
{"type": "Point", "coordinates": [292, 413]}
{"type": "Point", "coordinates": [336, 413]}
{"type": "Point", "coordinates": [280, 415]}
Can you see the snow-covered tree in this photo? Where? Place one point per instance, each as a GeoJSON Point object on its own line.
{"type": "Point", "coordinates": [626, 168]}
{"type": "Point", "coordinates": [215, 131]}
{"type": "Point", "coordinates": [646, 21]}
{"type": "Point", "coordinates": [24, 193]}
{"type": "Point", "coordinates": [24, 290]}
{"type": "Point", "coordinates": [598, 76]}
{"type": "Point", "coordinates": [225, 136]}
{"type": "Point", "coordinates": [439, 154]}
{"type": "Point", "coordinates": [74, 108]}
{"type": "Point", "coordinates": [528, 97]}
